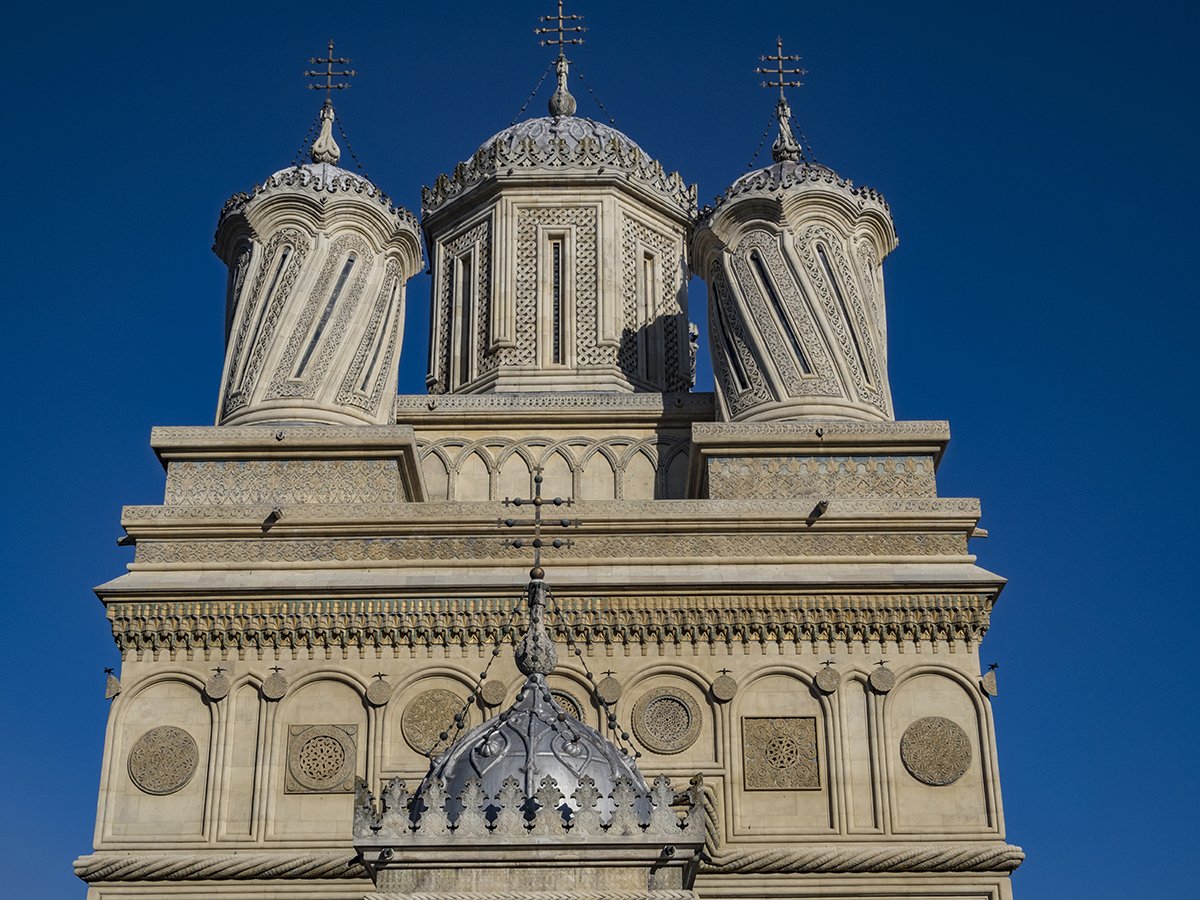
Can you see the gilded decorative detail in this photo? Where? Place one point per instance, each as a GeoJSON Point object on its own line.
{"type": "Point", "coordinates": [935, 750]}
{"type": "Point", "coordinates": [321, 759]}
{"type": "Point", "coordinates": [163, 760]}
{"type": "Point", "coordinates": [666, 720]}
{"type": "Point", "coordinates": [780, 754]}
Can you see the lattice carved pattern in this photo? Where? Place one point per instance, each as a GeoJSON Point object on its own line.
{"type": "Point", "coordinates": [676, 376]}
{"type": "Point", "coordinates": [583, 219]}
{"type": "Point", "coordinates": [720, 298]}
{"type": "Point", "coordinates": [479, 235]}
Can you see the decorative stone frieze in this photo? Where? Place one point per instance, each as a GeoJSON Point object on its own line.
{"type": "Point", "coordinates": [780, 754]}
{"type": "Point", "coordinates": [935, 751]}
{"type": "Point", "coordinates": [598, 621]}
{"type": "Point", "coordinates": [163, 760]}
{"type": "Point", "coordinates": [666, 720]}
{"type": "Point", "coordinates": [321, 759]}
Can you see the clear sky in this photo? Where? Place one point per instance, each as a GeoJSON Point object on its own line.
{"type": "Point", "coordinates": [1040, 163]}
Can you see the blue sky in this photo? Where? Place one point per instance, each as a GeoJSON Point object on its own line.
{"type": "Point", "coordinates": [1040, 164]}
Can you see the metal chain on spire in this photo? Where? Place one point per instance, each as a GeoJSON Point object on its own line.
{"type": "Point", "coordinates": [350, 147]}
{"type": "Point", "coordinates": [537, 87]}
{"type": "Point", "coordinates": [622, 738]}
{"type": "Point", "coordinates": [447, 738]}
{"type": "Point", "coordinates": [762, 141]}
{"type": "Point", "coordinates": [603, 108]}
{"type": "Point", "coordinates": [303, 149]}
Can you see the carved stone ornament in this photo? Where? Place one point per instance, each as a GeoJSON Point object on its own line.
{"type": "Point", "coordinates": [828, 680]}
{"type": "Point", "coordinates": [935, 751]}
{"type": "Point", "coordinates": [493, 692]}
{"type": "Point", "coordinates": [427, 716]}
{"type": "Point", "coordinates": [275, 686]}
{"type": "Point", "coordinates": [988, 684]}
{"type": "Point", "coordinates": [570, 704]}
{"type": "Point", "coordinates": [379, 692]}
{"type": "Point", "coordinates": [724, 688]}
{"type": "Point", "coordinates": [217, 687]}
{"type": "Point", "coordinates": [882, 679]}
{"type": "Point", "coordinates": [321, 759]}
{"type": "Point", "coordinates": [608, 689]}
{"type": "Point", "coordinates": [666, 720]}
{"type": "Point", "coordinates": [780, 754]}
{"type": "Point", "coordinates": [163, 760]}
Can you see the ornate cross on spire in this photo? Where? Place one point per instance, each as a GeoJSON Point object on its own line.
{"type": "Point", "coordinates": [325, 148]}
{"type": "Point", "coordinates": [538, 501]}
{"type": "Point", "coordinates": [562, 103]}
{"type": "Point", "coordinates": [329, 74]}
{"type": "Point", "coordinates": [785, 147]}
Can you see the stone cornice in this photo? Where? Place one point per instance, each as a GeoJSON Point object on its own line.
{"type": "Point", "coordinates": [592, 620]}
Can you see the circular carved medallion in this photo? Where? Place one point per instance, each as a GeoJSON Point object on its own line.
{"type": "Point", "coordinates": [274, 686]}
{"type": "Point", "coordinates": [321, 758]}
{"type": "Point", "coordinates": [568, 702]}
{"type": "Point", "coordinates": [828, 679]}
{"type": "Point", "coordinates": [379, 692]}
{"type": "Point", "coordinates": [427, 717]}
{"type": "Point", "coordinates": [163, 760]}
{"type": "Point", "coordinates": [935, 751]}
{"type": "Point", "coordinates": [724, 688]}
{"type": "Point", "coordinates": [493, 692]}
{"type": "Point", "coordinates": [883, 679]}
{"type": "Point", "coordinates": [782, 752]}
{"type": "Point", "coordinates": [609, 689]}
{"type": "Point", "coordinates": [666, 720]}
{"type": "Point", "coordinates": [217, 687]}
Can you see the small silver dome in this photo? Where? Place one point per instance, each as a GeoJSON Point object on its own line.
{"type": "Point", "coordinates": [533, 738]}
{"type": "Point", "coordinates": [546, 131]}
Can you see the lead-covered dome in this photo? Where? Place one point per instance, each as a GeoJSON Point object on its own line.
{"type": "Point", "coordinates": [531, 739]}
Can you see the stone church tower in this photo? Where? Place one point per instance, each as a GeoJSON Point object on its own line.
{"type": "Point", "coordinates": [337, 680]}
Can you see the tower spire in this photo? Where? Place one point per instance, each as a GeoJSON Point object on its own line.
{"type": "Point", "coordinates": [325, 148]}
{"type": "Point", "coordinates": [561, 103]}
{"type": "Point", "coordinates": [785, 148]}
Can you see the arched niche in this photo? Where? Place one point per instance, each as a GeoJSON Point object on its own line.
{"type": "Point", "coordinates": [952, 804]}
{"type": "Point", "coordinates": [157, 781]}
{"type": "Point", "coordinates": [781, 764]}
{"type": "Point", "coordinates": [437, 476]}
{"type": "Point", "coordinates": [419, 710]}
{"type": "Point", "coordinates": [320, 745]}
{"type": "Point", "coordinates": [598, 479]}
{"type": "Point", "coordinates": [473, 480]}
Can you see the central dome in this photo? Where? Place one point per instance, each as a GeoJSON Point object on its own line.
{"type": "Point", "coordinates": [546, 133]}
{"type": "Point", "coordinates": [531, 739]}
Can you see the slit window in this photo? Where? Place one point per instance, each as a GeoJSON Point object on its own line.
{"type": "Point", "coordinates": [285, 254]}
{"type": "Point", "coordinates": [315, 339]}
{"type": "Point", "coordinates": [740, 380]}
{"type": "Point", "coordinates": [768, 288]}
{"type": "Point", "coordinates": [556, 302]}
{"type": "Point", "coordinates": [380, 340]}
{"type": "Point", "coordinates": [463, 321]}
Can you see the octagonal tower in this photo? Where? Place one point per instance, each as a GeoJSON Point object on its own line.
{"type": "Point", "coordinates": [558, 258]}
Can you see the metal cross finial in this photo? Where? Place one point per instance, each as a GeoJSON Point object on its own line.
{"type": "Point", "coordinates": [561, 29]}
{"type": "Point", "coordinates": [276, 669]}
{"type": "Point", "coordinates": [537, 522]}
{"type": "Point", "coordinates": [108, 671]}
{"type": "Point", "coordinates": [882, 662]}
{"type": "Point", "coordinates": [329, 74]}
{"type": "Point", "coordinates": [218, 670]}
{"type": "Point", "coordinates": [380, 675]}
{"type": "Point", "coordinates": [722, 671]}
{"type": "Point", "coordinates": [781, 75]}
{"type": "Point", "coordinates": [828, 663]}
{"type": "Point", "coordinates": [992, 667]}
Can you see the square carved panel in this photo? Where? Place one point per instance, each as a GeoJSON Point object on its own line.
{"type": "Point", "coordinates": [780, 754]}
{"type": "Point", "coordinates": [321, 759]}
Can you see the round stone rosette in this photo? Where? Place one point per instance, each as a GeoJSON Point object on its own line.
{"type": "Point", "coordinates": [882, 679]}
{"type": "Point", "coordinates": [428, 716]}
{"type": "Point", "coordinates": [828, 679]}
{"type": "Point", "coordinates": [608, 689]}
{"type": "Point", "coordinates": [935, 750]}
{"type": "Point", "coordinates": [275, 686]}
{"type": "Point", "coordinates": [493, 692]}
{"type": "Point", "coordinates": [724, 688]}
{"type": "Point", "coordinates": [163, 760]}
{"type": "Point", "coordinates": [321, 758]}
{"type": "Point", "coordinates": [666, 720]}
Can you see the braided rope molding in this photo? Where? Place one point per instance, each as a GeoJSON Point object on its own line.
{"type": "Point", "coordinates": [540, 895]}
{"type": "Point", "coordinates": [831, 859]}
{"type": "Point", "coordinates": [225, 867]}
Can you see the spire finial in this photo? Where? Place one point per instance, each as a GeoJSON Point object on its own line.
{"type": "Point", "coordinates": [785, 147]}
{"type": "Point", "coordinates": [561, 103]}
{"type": "Point", "coordinates": [325, 148]}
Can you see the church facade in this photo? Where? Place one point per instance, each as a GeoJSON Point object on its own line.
{"type": "Point", "coordinates": [756, 592]}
